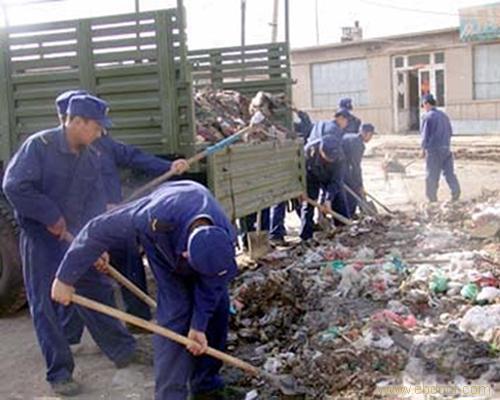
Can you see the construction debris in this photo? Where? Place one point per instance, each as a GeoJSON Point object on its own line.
{"type": "Point", "coordinates": [344, 327]}
{"type": "Point", "coordinates": [221, 113]}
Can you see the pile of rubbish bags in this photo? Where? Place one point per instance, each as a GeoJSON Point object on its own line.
{"type": "Point", "coordinates": [222, 113]}
{"type": "Point", "coordinates": [390, 300]}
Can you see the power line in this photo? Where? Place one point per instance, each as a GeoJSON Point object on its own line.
{"type": "Point", "coordinates": [417, 10]}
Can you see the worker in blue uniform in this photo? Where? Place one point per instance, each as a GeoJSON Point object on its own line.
{"type": "Point", "coordinates": [323, 157]}
{"type": "Point", "coordinates": [336, 127]}
{"type": "Point", "coordinates": [189, 243]}
{"type": "Point", "coordinates": [277, 231]}
{"type": "Point", "coordinates": [302, 124]}
{"type": "Point", "coordinates": [354, 123]}
{"type": "Point", "coordinates": [436, 137]}
{"type": "Point", "coordinates": [353, 146]}
{"type": "Point", "coordinates": [54, 185]}
{"type": "Point", "coordinates": [115, 155]}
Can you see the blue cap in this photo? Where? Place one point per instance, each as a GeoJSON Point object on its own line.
{"type": "Point", "coordinates": [346, 103]}
{"type": "Point", "coordinates": [366, 128]}
{"type": "Point", "coordinates": [62, 101]}
{"type": "Point", "coordinates": [90, 107]}
{"type": "Point", "coordinates": [211, 252]}
{"type": "Point", "coordinates": [344, 112]}
{"type": "Point", "coordinates": [428, 98]}
{"type": "Point", "coordinates": [330, 145]}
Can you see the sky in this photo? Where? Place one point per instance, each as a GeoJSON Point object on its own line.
{"type": "Point", "coordinates": [215, 23]}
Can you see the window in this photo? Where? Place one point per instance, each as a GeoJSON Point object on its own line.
{"type": "Point", "coordinates": [421, 59]}
{"type": "Point", "coordinates": [399, 62]}
{"type": "Point", "coordinates": [438, 58]}
{"type": "Point", "coordinates": [486, 77]}
{"type": "Point", "coordinates": [401, 91]}
{"type": "Point", "coordinates": [439, 77]}
{"type": "Point", "coordinates": [335, 80]}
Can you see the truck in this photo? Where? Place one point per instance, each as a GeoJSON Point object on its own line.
{"type": "Point", "coordinates": [140, 64]}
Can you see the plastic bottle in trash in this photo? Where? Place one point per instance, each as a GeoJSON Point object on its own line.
{"type": "Point", "coordinates": [439, 284]}
{"type": "Point", "coordinates": [470, 291]}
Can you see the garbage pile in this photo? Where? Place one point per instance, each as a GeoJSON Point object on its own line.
{"type": "Point", "coordinates": [388, 300]}
{"type": "Point", "coordinates": [221, 113]}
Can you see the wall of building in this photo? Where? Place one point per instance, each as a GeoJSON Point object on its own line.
{"type": "Point", "coordinates": [467, 114]}
{"type": "Point", "coordinates": [379, 86]}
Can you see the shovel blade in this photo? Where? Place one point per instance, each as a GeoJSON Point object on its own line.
{"type": "Point", "coordinates": [258, 244]}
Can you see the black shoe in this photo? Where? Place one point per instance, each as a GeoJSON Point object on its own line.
{"type": "Point", "coordinates": [139, 356]}
{"type": "Point", "coordinates": [455, 197]}
{"type": "Point", "coordinates": [67, 388]}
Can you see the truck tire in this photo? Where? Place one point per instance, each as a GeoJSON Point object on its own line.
{"type": "Point", "coordinates": [12, 294]}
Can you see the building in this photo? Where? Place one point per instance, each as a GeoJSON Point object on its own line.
{"type": "Point", "coordinates": [386, 78]}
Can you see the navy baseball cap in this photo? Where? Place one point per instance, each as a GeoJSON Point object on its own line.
{"type": "Point", "coordinates": [330, 145]}
{"type": "Point", "coordinates": [62, 101]}
{"type": "Point", "coordinates": [346, 103]}
{"type": "Point", "coordinates": [211, 252]}
{"type": "Point", "coordinates": [342, 112]}
{"type": "Point", "coordinates": [428, 98]}
{"type": "Point", "coordinates": [90, 107]}
{"type": "Point", "coordinates": [366, 128]}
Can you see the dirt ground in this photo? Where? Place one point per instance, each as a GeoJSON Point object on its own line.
{"type": "Point", "coordinates": [22, 372]}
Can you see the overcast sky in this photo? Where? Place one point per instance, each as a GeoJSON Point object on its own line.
{"type": "Point", "coordinates": [213, 23]}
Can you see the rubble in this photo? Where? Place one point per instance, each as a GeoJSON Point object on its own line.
{"type": "Point", "coordinates": [350, 313]}
{"type": "Point", "coordinates": [221, 113]}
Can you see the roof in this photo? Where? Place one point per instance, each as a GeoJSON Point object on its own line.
{"type": "Point", "coordinates": [376, 40]}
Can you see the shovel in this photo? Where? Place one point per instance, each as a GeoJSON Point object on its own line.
{"type": "Point", "coordinates": [257, 118]}
{"type": "Point", "coordinates": [379, 203]}
{"type": "Point", "coordinates": [333, 214]}
{"type": "Point", "coordinates": [122, 280]}
{"type": "Point", "coordinates": [365, 206]}
{"type": "Point", "coordinates": [285, 383]}
{"type": "Point", "coordinates": [258, 243]}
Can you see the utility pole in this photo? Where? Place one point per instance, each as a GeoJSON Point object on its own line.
{"type": "Point", "coordinates": [4, 14]}
{"type": "Point", "coordinates": [317, 21]}
{"type": "Point", "coordinates": [243, 21]}
{"type": "Point", "coordinates": [243, 25]}
{"type": "Point", "coordinates": [274, 24]}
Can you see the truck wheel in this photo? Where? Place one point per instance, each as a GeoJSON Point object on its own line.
{"type": "Point", "coordinates": [12, 294]}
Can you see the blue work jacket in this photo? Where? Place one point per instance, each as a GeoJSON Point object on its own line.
{"type": "Point", "coordinates": [436, 130]}
{"type": "Point", "coordinates": [161, 223]}
{"type": "Point", "coordinates": [354, 148]}
{"type": "Point", "coordinates": [115, 154]}
{"type": "Point", "coordinates": [45, 181]}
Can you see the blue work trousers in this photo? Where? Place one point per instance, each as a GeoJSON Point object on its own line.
{"type": "Point", "coordinates": [178, 372]}
{"type": "Point", "coordinates": [440, 160]}
{"type": "Point", "coordinates": [277, 229]}
{"type": "Point", "coordinates": [41, 255]}
{"type": "Point", "coordinates": [307, 211]}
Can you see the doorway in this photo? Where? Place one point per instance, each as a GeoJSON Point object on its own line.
{"type": "Point", "coordinates": [415, 76]}
{"type": "Point", "coordinates": [414, 101]}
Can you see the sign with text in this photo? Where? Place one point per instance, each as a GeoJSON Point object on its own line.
{"type": "Point", "coordinates": [480, 23]}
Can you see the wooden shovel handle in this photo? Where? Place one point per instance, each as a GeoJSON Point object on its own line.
{"type": "Point", "coordinates": [159, 330]}
{"type": "Point", "coordinates": [332, 213]}
{"type": "Point", "coordinates": [122, 280]}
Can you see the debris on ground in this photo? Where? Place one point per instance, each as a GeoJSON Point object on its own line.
{"type": "Point", "coordinates": [348, 313]}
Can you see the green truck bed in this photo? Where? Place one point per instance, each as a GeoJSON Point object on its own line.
{"type": "Point", "coordinates": [141, 65]}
